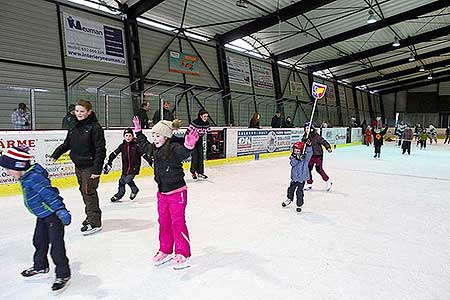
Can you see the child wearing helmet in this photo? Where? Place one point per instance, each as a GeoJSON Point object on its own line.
{"type": "Point", "coordinates": [299, 161]}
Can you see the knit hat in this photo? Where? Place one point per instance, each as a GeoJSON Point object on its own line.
{"type": "Point", "coordinates": [166, 128]}
{"type": "Point", "coordinates": [128, 130]}
{"type": "Point", "coordinates": [16, 158]}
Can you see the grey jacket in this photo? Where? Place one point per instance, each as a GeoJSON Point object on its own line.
{"type": "Point", "coordinates": [299, 170]}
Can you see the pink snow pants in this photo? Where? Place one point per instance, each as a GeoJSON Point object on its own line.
{"type": "Point", "coordinates": [172, 223]}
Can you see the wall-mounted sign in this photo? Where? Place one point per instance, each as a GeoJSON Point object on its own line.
{"type": "Point", "coordinates": [90, 40]}
{"type": "Point", "coordinates": [184, 63]}
{"type": "Point", "coordinates": [239, 71]}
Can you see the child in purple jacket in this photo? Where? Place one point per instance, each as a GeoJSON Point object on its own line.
{"type": "Point", "coordinates": [299, 173]}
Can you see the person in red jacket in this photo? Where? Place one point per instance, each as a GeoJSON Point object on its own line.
{"type": "Point", "coordinates": [131, 164]}
{"type": "Point", "coordinates": [316, 141]}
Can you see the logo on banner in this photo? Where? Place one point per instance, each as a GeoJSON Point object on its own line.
{"type": "Point", "coordinates": [76, 24]}
{"type": "Point", "coordinates": [318, 90]}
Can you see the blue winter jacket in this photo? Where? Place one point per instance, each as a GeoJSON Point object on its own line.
{"type": "Point", "coordinates": [299, 170]}
{"type": "Point", "coordinates": [40, 197]}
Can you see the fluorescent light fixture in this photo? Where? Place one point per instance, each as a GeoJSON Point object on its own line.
{"type": "Point", "coordinates": [412, 57]}
{"type": "Point", "coordinates": [422, 69]}
{"type": "Point", "coordinates": [371, 19]}
{"type": "Point", "coordinates": [242, 3]}
{"type": "Point", "coordinates": [396, 42]}
{"type": "Point", "coordinates": [430, 76]}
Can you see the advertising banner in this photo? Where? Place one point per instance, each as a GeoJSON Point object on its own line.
{"type": "Point", "coordinates": [296, 88]}
{"type": "Point", "coordinates": [262, 76]}
{"type": "Point", "coordinates": [239, 71]}
{"type": "Point", "coordinates": [90, 40]}
{"type": "Point", "coordinates": [180, 62]}
{"type": "Point", "coordinates": [335, 136]}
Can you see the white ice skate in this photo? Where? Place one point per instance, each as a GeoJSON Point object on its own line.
{"type": "Point", "coordinates": [328, 185]}
{"type": "Point", "coordinates": [308, 187]}
{"type": "Point", "coordinates": [181, 262]}
{"type": "Point", "coordinates": [161, 258]}
{"type": "Point", "coordinates": [286, 202]}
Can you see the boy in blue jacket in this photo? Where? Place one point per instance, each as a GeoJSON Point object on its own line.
{"type": "Point", "coordinates": [46, 204]}
{"type": "Point", "coordinates": [299, 173]}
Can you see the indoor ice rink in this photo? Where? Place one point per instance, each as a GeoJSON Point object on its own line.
{"type": "Point", "coordinates": [186, 121]}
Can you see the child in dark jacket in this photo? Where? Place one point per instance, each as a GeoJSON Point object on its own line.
{"type": "Point", "coordinates": [168, 155]}
{"type": "Point", "coordinates": [201, 125]}
{"type": "Point", "coordinates": [299, 173]}
{"type": "Point", "coordinates": [43, 201]}
{"type": "Point", "coordinates": [131, 164]}
{"type": "Point", "coordinates": [378, 139]}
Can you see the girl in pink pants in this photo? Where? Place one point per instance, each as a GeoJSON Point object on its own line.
{"type": "Point", "coordinates": [168, 153]}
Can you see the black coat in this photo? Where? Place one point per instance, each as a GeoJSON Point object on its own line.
{"type": "Point", "coordinates": [254, 124]}
{"type": "Point", "coordinates": [378, 137]}
{"type": "Point", "coordinates": [167, 115]}
{"type": "Point", "coordinates": [167, 162]}
{"type": "Point", "coordinates": [276, 122]}
{"type": "Point", "coordinates": [86, 142]}
{"type": "Point", "coordinates": [143, 118]}
{"type": "Point", "coordinates": [69, 121]}
{"type": "Point", "coordinates": [131, 157]}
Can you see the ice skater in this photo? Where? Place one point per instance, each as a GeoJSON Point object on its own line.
{"type": "Point", "coordinates": [401, 127]}
{"type": "Point", "coordinates": [417, 132]}
{"type": "Point", "coordinates": [172, 190]}
{"type": "Point", "coordinates": [432, 134]}
{"type": "Point", "coordinates": [316, 142]}
{"type": "Point", "coordinates": [378, 139]}
{"type": "Point", "coordinates": [131, 164]}
{"type": "Point", "coordinates": [299, 173]}
{"type": "Point", "coordinates": [447, 135]}
{"type": "Point", "coordinates": [43, 201]}
{"type": "Point", "coordinates": [368, 134]}
{"type": "Point", "coordinates": [423, 139]}
{"type": "Point", "coordinates": [202, 126]}
{"type": "Point", "coordinates": [407, 137]}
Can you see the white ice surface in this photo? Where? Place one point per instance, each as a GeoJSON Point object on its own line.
{"type": "Point", "coordinates": [381, 233]}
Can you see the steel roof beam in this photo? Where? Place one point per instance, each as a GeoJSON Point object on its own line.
{"type": "Point", "coordinates": [412, 40]}
{"type": "Point", "coordinates": [394, 63]}
{"type": "Point", "coordinates": [411, 80]}
{"type": "Point", "coordinates": [407, 15]}
{"type": "Point", "coordinates": [415, 85]}
{"type": "Point", "coordinates": [394, 75]}
{"type": "Point", "coordinates": [272, 19]}
{"type": "Point", "coordinates": [142, 6]}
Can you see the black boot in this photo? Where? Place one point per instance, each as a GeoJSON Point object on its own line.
{"type": "Point", "coordinates": [60, 284]}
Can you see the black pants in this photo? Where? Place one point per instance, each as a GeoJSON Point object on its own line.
{"type": "Point", "coordinates": [378, 148]}
{"type": "Point", "coordinates": [296, 185]}
{"type": "Point", "coordinates": [406, 147]}
{"type": "Point", "coordinates": [50, 231]}
{"type": "Point", "coordinates": [447, 139]}
{"type": "Point", "coordinates": [88, 189]}
{"type": "Point", "coordinates": [399, 140]}
{"type": "Point", "coordinates": [124, 180]}
{"type": "Point", "coordinates": [423, 144]}
{"type": "Point", "coordinates": [197, 165]}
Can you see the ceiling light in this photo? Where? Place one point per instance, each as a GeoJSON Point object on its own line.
{"type": "Point", "coordinates": [396, 42]}
{"type": "Point", "coordinates": [422, 69]}
{"type": "Point", "coordinates": [371, 19]}
{"type": "Point", "coordinates": [430, 76]}
{"type": "Point", "coordinates": [242, 3]}
{"type": "Point", "coordinates": [412, 57]}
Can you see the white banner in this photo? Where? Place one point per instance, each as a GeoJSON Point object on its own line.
{"type": "Point", "coordinates": [239, 71]}
{"type": "Point", "coordinates": [335, 136]}
{"type": "Point", "coordinates": [262, 76]}
{"type": "Point", "coordinates": [90, 40]}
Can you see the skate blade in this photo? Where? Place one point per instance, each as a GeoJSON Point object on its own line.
{"type": "Point", "coordinates": [163, 261]}
{"type": "Point", "coordinates": [181, 267]}
{"type": "Point", "coordinates": [93, 231]}
{"type": "Point", "coordinates": [62, 289]}
{"type": "Point", "coordinates": [37, 277]}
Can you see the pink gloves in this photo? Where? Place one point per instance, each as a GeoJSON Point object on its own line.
{"type": "Point", "coordinates": [137, 124]}
{"type": "Point", "coordinates": [191, 138]}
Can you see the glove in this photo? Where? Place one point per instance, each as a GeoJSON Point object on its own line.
{"type": "Point", "coordinates": [302, 157]}
{"type": "Point", "coordinates": [64, 216]}
{"type": "Point", "coordinates": [107, 168]}
{"type": "Point", "coordinates": [191, 138]}
{"type": "Point", "coordinates": [137, 124]}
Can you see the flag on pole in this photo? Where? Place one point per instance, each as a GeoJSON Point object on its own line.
{"type": "Point", "coordinates": [318, 90]}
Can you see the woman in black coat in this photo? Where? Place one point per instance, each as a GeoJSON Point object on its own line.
{"type": "Point", "coordinates": [202, 126]}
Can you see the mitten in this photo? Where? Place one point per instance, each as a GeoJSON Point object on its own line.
{"type": "Point", "coordinates": [64, 216]}
{"type": "Point", "coordinates": [107, 168]}
{"type": "Point", "coordinates": [137, 124]}
{"type": "Point", "coordinates": [191, 138]}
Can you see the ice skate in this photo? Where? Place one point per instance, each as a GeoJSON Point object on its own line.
{"type": "Point", "coordinates": [60, 285]}
{"type": "Point", "coordinates": [180, 262]}
{"type": "Point", "coordinates": [133, 195]}
{"type": "Point", "coordinates": [328, 185]}
{"type": "Point", "coordinates": [308, 187]}
{"type": "Point", "coordinates": [286, 202]}
{"type": "Point", "coordinates": [89, 229]}
{"type": "Point", "coordinates": [194, 176]}
{"type": "Point", "coordinates": [202, 176]}
{"type": "Point", "coordinates": [161, 258]}
{"type": "Point", "coordinates": [32, 272]}
{"type": "Point", "coordinates": [114, 199]}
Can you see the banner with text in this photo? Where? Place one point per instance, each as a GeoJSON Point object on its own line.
{"type": "Point", "coordinates": [239, 71]}
{"type": "Point", "coordinates": [266, 141]}
{"type": "Point", "coordinates": [262, 76]}
{"type": "Point", "coordinates": [90, 40]}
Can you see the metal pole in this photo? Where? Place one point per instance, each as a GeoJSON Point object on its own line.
{"type": "Point", "coordinates": [97, 90]}
{"type": "Point", "coordinates": [308, 130]}
{"type": "Point", "coordinates": [181, 93]}
{"type": "Point", "coordinates": [33, 109]}
{"type": "Point", "coordinates": [107, 111]}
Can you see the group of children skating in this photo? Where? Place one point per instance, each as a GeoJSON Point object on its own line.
{"type": "Point", "coordinates": [165, 154]}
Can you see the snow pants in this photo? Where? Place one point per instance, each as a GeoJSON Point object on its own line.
{"type": "Point", "coordinates": [317, 160]}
